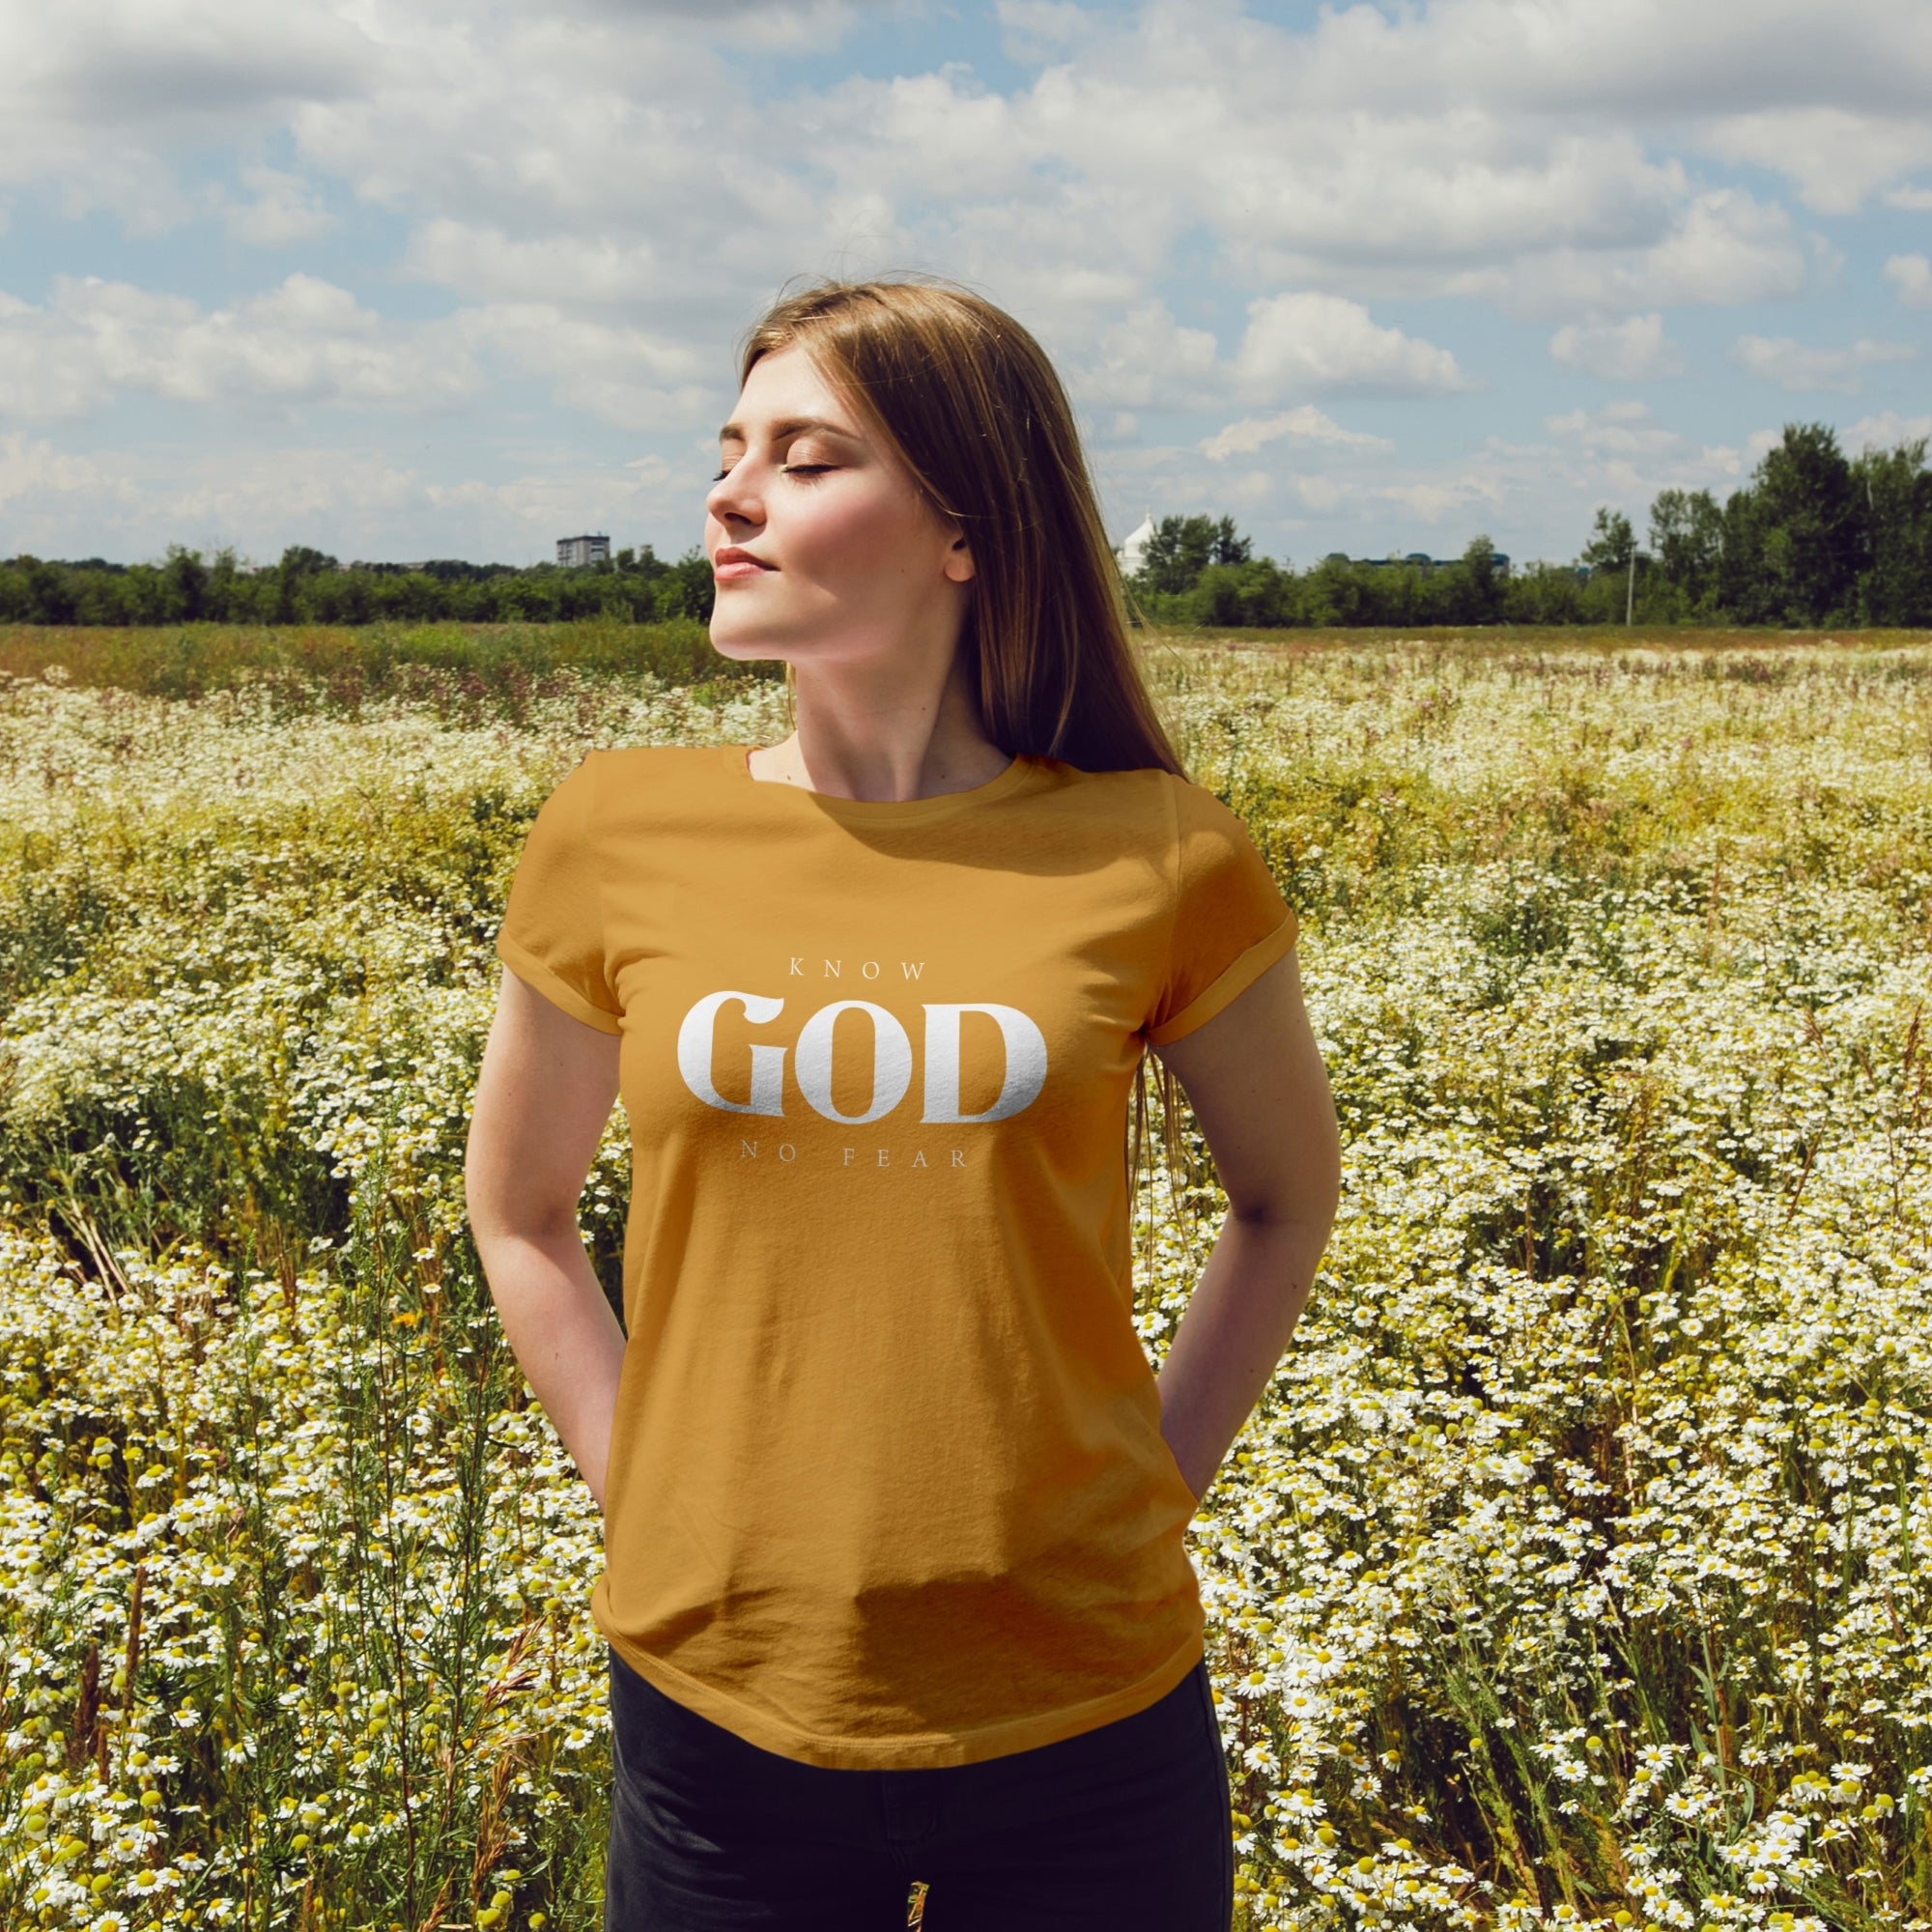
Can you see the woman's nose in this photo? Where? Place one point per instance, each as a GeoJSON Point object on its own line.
{"type": "Point", "coordinates": [732, 498]}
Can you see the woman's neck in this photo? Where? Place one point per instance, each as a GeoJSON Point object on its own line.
{"type": "Point", "coordinates": [860, 739]}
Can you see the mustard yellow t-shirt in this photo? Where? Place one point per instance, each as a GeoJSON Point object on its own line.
{"type": "Point", "coordinates": [887, 1486]}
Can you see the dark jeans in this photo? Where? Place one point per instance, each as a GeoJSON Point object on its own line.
{"type": "Point", "coordinates": [1124, 1828]}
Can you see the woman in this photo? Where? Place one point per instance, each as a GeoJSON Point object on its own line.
{"type": "Point", "coordinates": [895, 1589]}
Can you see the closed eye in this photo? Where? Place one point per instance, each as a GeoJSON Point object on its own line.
{"type": "Point", "coordinates": [807, 469]}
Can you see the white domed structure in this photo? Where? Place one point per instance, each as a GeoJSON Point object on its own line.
{"type": "Point", "coordinates": [1133, 552]}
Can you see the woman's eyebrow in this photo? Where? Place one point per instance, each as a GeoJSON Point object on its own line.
{"type": "Point", "coordinates": [788, 426]}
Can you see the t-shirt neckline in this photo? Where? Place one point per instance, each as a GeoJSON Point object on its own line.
{"type": "Point", "coordinates": [888, 812]}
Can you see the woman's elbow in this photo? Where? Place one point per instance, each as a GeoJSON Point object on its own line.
{"type": "Point", "coordinates": [509, 1200]}
{"type": "Point", "coordinates": [1302, 1191]}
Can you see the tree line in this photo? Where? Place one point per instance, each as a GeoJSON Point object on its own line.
{"type": "Point", "coordinates": [1814, 538]}
{"type": "Point", "coordinates": [309, 588]}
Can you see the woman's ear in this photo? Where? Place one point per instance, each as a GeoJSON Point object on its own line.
{"type": "Point", "coordinates": [959, 564]}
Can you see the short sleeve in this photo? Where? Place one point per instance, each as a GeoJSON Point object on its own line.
{"type": "Point", "coordinates": [1231, 922]}
{"type": "Point", "coordinates": [553, 929]}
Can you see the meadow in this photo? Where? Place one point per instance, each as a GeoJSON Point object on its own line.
{"type": "Point", "coordinates": [1575, 1569]}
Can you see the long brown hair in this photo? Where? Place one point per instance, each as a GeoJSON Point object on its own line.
{"type": "Point", "coordinates": [968, 401]}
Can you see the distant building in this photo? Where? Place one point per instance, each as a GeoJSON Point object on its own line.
{"type": "Point", "coordinates": [574, 551]}
{"type": "Point", "coordinates": [1132, 552]}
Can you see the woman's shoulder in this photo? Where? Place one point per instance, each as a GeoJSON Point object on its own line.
{"type": "Point", "coordinates": [634, 786]}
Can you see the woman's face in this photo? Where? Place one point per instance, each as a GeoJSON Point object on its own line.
{"type": "Point", "coordinates": [822, 547]}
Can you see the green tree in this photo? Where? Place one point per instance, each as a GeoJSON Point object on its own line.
{"type": "Point", "coordinates": [1613, 543]}
{"type": "Point", "coordinates": [1811, 538]}
{"type": "Point", "coordinates": [1480, 591]}
{"type": "Point", "coordinates": [1230, 547]}
{"type": "Point", "coordinates": [686, 588]}
{"type": "Point", "coordinates": [1254, 591]}
{"type": "Point", "coordinates": [185, 578]}
{"type": "Point", "coordinates": [1687, 533]}
{"type": "Point", "coordinates": [1543, 593]}
{"type": "Point", "coordinates": [51, 598]}
{"type": "Point", "coordinates": [1896, 489]}
{"type": "Point", "coordinates": [1181, 548]}
{"type": "Point", "coordinates": [299, 566]}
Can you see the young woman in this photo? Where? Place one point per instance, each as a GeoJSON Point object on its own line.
{"type": "Point", "coordinates": [895, 1589]}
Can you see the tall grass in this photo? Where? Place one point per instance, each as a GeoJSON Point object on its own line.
{"type": "Point", "coordinates": [1573, 1569]}
{"type": "Point", "coordinates": [492, 666]}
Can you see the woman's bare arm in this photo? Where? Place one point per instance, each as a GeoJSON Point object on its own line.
{"type": "Point", "coordinates": [1254, 1079]}
{"type": "Point", "coordinates": [546, 1089]}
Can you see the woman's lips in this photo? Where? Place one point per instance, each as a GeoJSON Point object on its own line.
{"type": "Point", "coordinates": [735, 566]}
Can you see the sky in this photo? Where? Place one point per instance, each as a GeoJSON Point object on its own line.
{"type": "Point", "coordinates": [404, 279]}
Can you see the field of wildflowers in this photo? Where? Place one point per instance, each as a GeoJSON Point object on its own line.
{"type": "Point", "coordinates": [1576, 1568]}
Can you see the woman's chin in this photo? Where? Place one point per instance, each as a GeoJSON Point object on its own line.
{"type": "Point", "coordinates": [730, 641]}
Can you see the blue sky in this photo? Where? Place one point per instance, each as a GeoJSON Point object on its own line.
{"type": "Point", "coordinates": [403, 280]}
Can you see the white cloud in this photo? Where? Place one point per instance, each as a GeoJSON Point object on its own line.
{"type": "Point", "coordinates": [1831, 97]}
{"type": "Point", "coordinates": [1371, 152]}
{"type": "Point", "coordinates": [608, 192]}
{"type": "Point", "coordinates": [1034, 32]}
{"type": "Point", "coordinates": [1723, 247]}
{"type": "Point", "coordinates": [284, 210]}
{"type": "Point", "coordinates": [1628, 454]}
{"type": "Point", "coordinates": [1307, 424]}
{"type": "Point", "coordinates": [1434, 500]}
{"type": "Point", "coordinates": [1147, 361]}
{"type": "Point", "coordinates": [1320, 344]}
{"type": "Point", "coordinates": [1295, 345]}
{"type": "Point", "coordinates": [618, 373]}
{"type": "Point", "coordinates": [308, 341]}
{"type": "Point", "coordinates": [1912, 276]}
{"type": "Point", "coordinates": [1621, 351]}
{"type": "Point", "coordinates": [1323, 494]}
{"type": "Point", "coordinates": [95, 93]}
{"type": "Point", "coordinates": [1887, 430]}
{"type": "Point", "coordinates": [542, 505]}
{"type": "Point", "coordinates": [1793, 366]}
{"type": "Point", "coordinates": [262, 494]}
{"type": "Point", "coordinates": [32, 470]}
{"type": "Point", "coordinates": [1836, 157]}
{"type": "Point", "coordinates": [360, 501]}
{"type": "Point", "coordinates": [541, 156]}
{"type": "Point", "coordinates": [303, 340]}
{"type": "Point", "coordinates": [1626, 428]}
{"type": "Point", "coordinates": [575, 269]}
